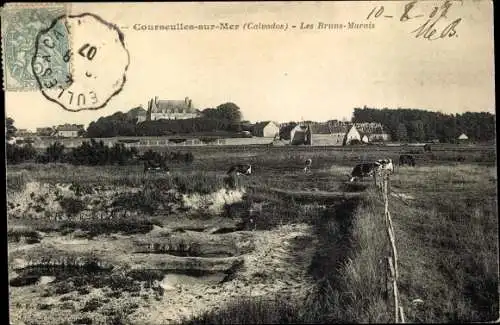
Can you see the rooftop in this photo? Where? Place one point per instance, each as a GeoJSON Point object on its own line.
{"type": "Point", "coordinates": [70, 127]}
{"type": "Point", "coordinates": [172, 106]}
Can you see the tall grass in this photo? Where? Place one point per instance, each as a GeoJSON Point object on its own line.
{"type": "Point", "coordinates": [16, 182]}
{"type": "Point", "coordinates": [448, 242]}
{"type": "Point", "coordinates": [362, 275]}
{"type": "Point", "coordinates": [130, 176]}
{"type": "Point", "coordinates": [251, 310]}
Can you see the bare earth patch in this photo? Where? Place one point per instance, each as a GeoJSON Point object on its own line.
{"type": "Point", "coordinates": [263, 262]}
{"type": "Point", "coordinates": [274, 267]}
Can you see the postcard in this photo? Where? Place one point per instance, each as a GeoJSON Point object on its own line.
{"type": "Point", "coordinates": [250, 162]}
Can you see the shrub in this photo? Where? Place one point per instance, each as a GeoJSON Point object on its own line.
{"type": "Point", "coordinates": [72, 206]}
{"type": "Point", "coordinates": [152, 156]}
{"type": "Point", "coordinates": [172, 156]}
{"type": "Point", "coordinates": [55, 152]}
{"type": "Point", "coordinates": [207, 139]}
{"type": "Point", "coordinates": [16, 183]}
{"type": "Point", "coordinates": [201, 183]}
{"type": "Point", "coordinates": [96, 153]}
{"type": "Point", "coordinates": [17, 154]}
{"type": "Point", "coordinates": [355, 142]}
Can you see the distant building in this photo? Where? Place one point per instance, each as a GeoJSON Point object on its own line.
{"type": "Point", "coordinates": [24, 133]}
{"type": "Point", "coordinates": [285, 130]}
{"type": "Point", "coordinates": [352, 135]}
{"type": "Point", "coordinates": [329, 134]}
{"type": "Point", "coordinates": [171, 109]}
{"type": "Point", "coordinates": [300, 134]}
{"type": "Point", "coordinates": [335, 133]}
{"type": "Point", "coordinates": [375, 132]}
{"type": "Point", "coordinates": [267, 129]}
{"type": "Point", "coordinates": [45, 132]}
{"type": "Point", "coordinates": [69, 130]}
{"type": "Point", "coordinates": [463, 138]}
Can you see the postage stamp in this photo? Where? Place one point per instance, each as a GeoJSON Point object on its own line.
{"type": "Point", "coordinates": [20, 26]}
{"type": "Point", "coordinates": [99, 65]}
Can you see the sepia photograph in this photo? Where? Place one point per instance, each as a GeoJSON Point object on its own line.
{"type": "Point", "coordinates": [224, 162]}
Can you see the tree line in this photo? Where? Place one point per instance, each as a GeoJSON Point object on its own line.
{"type": "Point", "coordinates": [415, 125]}
{"type": "Point", "coordinates": [225, 117]}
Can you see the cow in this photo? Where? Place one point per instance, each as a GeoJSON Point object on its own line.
{"type": "Point", "coordinates": [364, 170]}
{"type": "Point", "coordinates": [427, 147]}
{"type": "Point", "coordinates": [240, 169]}
{"type": "Point", "coordinates": [151, 165]}
{"type": "Point", "coordinates": [307, 167]}
{"type": "Point", "coordinates": [386, 164]}
{"type": "Point", "coordinates": [406, 160]}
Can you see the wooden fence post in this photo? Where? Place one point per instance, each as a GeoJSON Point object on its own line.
{"type": "Point", "coordinates": [392, 275]}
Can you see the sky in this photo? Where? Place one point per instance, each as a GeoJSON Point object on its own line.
{"type": "Point", "coordinates": [308, 74]}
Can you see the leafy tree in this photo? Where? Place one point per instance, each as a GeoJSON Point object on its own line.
{"type": "Point", "coordinates": [422, 125]}
{"type": "Point", "coordinates": [402, 133]}
{"type": "Point", "coordinates": [416, 130]}
{"type": "Point", "coordinates": [18, 154]}
{"type": "Point", "coordinates": [230, 111]}
{"type": "Point", "coordinates": [118, 124]}
{"type": "Point", "coordinates": [10, 129]}
{"type": "Point", "coordinates": [55, 152]}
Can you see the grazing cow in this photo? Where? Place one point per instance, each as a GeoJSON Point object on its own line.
{"type": "Point", "coordinates": [307, 167]}
{"type": "Point", "coordinates": [364, 170]}
{"type": "Point", "coordinates": [406, 160]}
{"type": "Point", "coordinates": [240, 169]}
{"type": "Point", "coordinates": [150, 165]}
{"type": "Point", "coordinates": [386, 164]}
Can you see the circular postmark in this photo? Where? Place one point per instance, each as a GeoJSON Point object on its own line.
{"type": "Point", "coordinates": [80, 62]}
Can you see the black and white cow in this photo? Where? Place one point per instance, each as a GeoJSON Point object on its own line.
{"type": "Point", "coordinates": [240, 169]}
{"type": "Point", "coordinates": [151, 165]}
{"type": "Point", "coordinates": [386, 164]}
{"type": "Point", "coordinates": [406, 160]}
{"type": "Point", "coordinates": [307, 167]}
{"type": "Point", "coordinates": [364, 170]}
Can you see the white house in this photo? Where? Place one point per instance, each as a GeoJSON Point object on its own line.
{"type": "Point", "coordinates": [69, 130]}
{"type": "Point", "coordinates": [352, 134]}
{"type": "Point", "coordinates": [267, 129]}
{"type": "Point", "coordinates": [374, 131]}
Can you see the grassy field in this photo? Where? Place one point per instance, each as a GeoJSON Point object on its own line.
{"type": "Point", "coordinates": [310, 254]}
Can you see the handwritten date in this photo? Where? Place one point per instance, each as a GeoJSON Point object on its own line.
{"type": "Point", "coordinates": [429, 29]}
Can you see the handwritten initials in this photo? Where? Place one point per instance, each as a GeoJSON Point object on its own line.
{"type": "Point", "coordinates": [428, 29]}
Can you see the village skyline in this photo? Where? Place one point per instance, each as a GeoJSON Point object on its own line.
{"type": "Point", "coordinates": [304, 118]}
{"type": "Point", "coordinates": [289, 76]}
